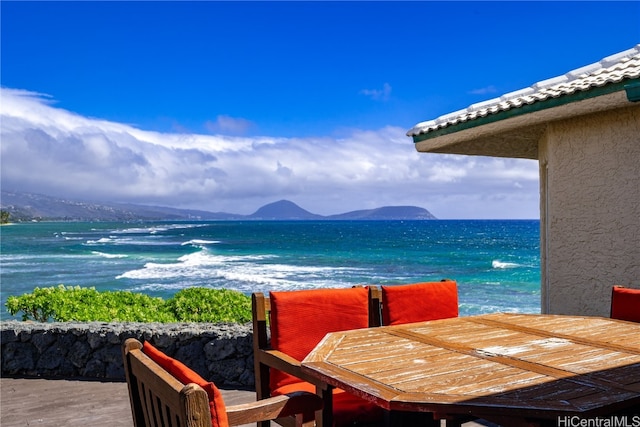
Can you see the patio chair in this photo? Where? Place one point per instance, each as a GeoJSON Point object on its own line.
{"type": "Point", "coordinates": [625, 304]}
{"type": "Point", "coordinates": [164, 392]}
{"type": "Point", "coordinates": [419, 302]}
{"type": "Point", "coordinates": [297, 321]}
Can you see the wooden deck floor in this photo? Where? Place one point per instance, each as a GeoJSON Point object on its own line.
{"type": "Point", "coordinates": [76, 403]}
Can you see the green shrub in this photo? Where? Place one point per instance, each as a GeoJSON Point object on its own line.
{"type": "Point", "coordinates": [210, 305]}
{"type": "Point", "coordinates": [37, 306]}
{"type": "Point", "coordinates": [69, 303]}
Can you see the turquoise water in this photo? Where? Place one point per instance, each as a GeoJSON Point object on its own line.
{"type": "Point", "coordinates": [496, 263]}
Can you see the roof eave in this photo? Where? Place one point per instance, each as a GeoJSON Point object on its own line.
{"type": "Point", "coordinates": [516, 132]}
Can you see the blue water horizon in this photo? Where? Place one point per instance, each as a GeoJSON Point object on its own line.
{"type": "Point", "coordinates": [495, 262]}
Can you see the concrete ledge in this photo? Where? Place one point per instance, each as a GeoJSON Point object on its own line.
{"type": "Point", "coordinates": [222, 353]}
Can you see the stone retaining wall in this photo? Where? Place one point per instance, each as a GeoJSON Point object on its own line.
{"type": "Point", "coordinates": [222, 353]}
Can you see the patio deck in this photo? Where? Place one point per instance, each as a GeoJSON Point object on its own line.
{"type": "Point", "coordinates": [80, 403]}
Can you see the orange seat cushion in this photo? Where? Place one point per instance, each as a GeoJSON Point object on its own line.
{"type": "Point", "coordinates": [186, 375]}
{"type": "Point", "coordinates": [419, 302]}
{"type": "Point", "coordinates": [347, 408]}
{"type": "Point", "coordinates": [300, 319]}
{"type": "Point", "coordinates": [625, 304]}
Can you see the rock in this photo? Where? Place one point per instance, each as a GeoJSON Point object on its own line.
{"type": "Point", "coordinates": [219, 352]}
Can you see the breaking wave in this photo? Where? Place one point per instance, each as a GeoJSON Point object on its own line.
{"type": "Point", "coordinates": [245, 273]}
{"type": "Point", "coordinates": [111, 256]}
{"type": "Point", "coordinates": [500, 264]}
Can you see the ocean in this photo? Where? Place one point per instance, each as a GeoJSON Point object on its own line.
{"type": "Point", "coordinates": [495, 262]}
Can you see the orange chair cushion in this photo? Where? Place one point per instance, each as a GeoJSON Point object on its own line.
{"type": "Point", "coordinates": [347, 408]}
{"type": "Point", "coordinates": [185, 375]}
{"type": "Point", "coordinates": [625, 304]}
{"type": "Point", "coordinates": [419, 302]}
{"type": "Point", "coordinates": [300, 319]}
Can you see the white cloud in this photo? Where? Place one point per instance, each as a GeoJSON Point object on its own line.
{"type": "Point", "coordinates": [52, 151]}
{"type": "Point", "coordinates": [378, 94]}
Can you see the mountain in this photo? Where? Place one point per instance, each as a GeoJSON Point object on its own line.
{"type": "Point", "coordinates": [29, 207]}
{"type": "Point", "coordinates": [386, 212]}
{"type": "Point", "coordinates": [283, 209]}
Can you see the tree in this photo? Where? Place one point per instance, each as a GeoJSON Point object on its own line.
{"type": "Point", "coordinates": [4, 217]}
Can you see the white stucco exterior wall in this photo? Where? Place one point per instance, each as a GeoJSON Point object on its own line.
{"type": "Point", "coordinates": [590, 210]}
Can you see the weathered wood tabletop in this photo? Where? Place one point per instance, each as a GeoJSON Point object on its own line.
{"type": "Point", "coordinates": [517, 369]}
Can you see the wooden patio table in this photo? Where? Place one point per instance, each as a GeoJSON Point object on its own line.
{"type": "Point", "coordinates": [512, 369]}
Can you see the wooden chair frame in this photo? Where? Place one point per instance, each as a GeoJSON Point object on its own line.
{"type": "Point", "coordinates": [159, 399]}
{"type": "Point", "coordinates": [266, 358]}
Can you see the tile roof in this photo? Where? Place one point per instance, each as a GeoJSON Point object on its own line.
{"type": "Point", "coordinates": [612, 69]}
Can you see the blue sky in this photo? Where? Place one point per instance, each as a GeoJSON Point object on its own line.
{"type": "Point", "coordinates": [226, 106]}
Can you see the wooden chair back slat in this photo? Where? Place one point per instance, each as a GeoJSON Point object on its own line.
{"type": "Point", "coordinates": [375, 306]}
{"type": "Point", "coordinates": [157, 398]}
{"type": "Point", "coordinates": [261, 306]}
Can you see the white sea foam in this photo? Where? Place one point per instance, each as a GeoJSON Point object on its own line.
{"type": "Point", "coordinates": [243, 273]}
{"type": "Point", "coordinates": [499, 264]}
{"type": "Point", "coordinates": [145, 230]}
{"type": "Point", "coordinates": [102, 240]}
{"type": "Point", "coordinates": [195, 265]}
{"type": "Point", "coordinates": [155, 229]}
{"type": "Point", "coordinates": [140, 241]}
{"type": "Point", "coordinates": [200, 242]}
{"type": "Point", "coordinates": [104, 255]}
{"type": "Point", "coordinates": [38, 258]}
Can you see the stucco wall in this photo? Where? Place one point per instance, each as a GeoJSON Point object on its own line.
{"type": "Point", "coordinates": [590, 210]}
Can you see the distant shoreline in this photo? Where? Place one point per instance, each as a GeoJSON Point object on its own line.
{"type": "Point", "coordinates": [145, 220]}
{"type": "Point", "coordinates": [29, 206]}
